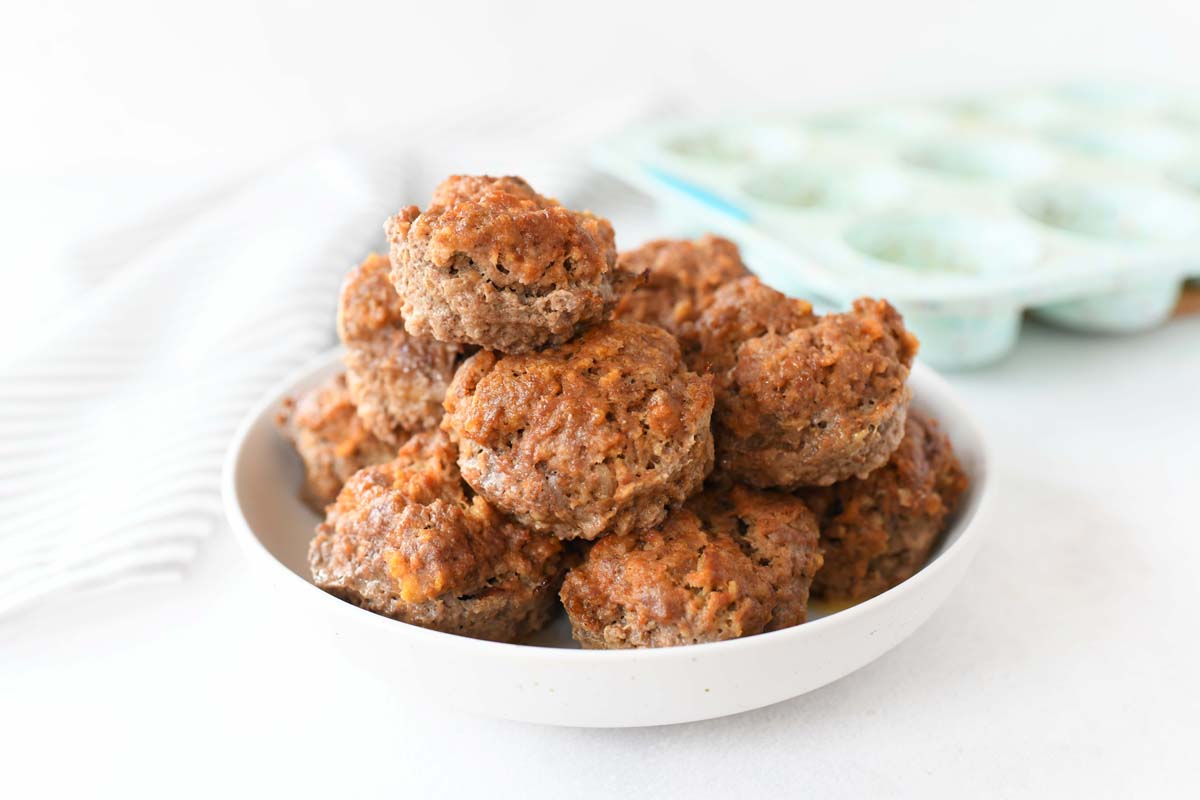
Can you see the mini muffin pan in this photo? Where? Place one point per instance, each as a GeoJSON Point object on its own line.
{"type": "Point", "coordinates": [1081, 204]}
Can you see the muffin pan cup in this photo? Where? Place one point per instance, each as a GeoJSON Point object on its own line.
{"type": "Point", "coordinates": [1080, 203]}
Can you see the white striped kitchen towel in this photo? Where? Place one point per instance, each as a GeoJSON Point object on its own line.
{"type": "Point", "coordinates": [114, 419]}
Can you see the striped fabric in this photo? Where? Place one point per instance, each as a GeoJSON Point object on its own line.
{"type": "Point", "coordinates": [113, 425]}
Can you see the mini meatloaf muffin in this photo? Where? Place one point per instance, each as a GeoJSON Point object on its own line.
{"type": "Point", "coordinates": [397, 380]}
{"type": "Point", "coordinates": [739, 311]}
{"type": "Point", "coordinates": [680, 279]}
{"type": "Point", "coordinates": [804, 401]}
{"type": "Point", "coordinates": [602, 434]}
{"type": "Point", "coordinates": [493, 263]}
{"type": "Point", "coordinates": [877, 531]}
{"type": "Point", "coordinates": [728, 564]}
{"type": "Point", "coordinates": [332, 441]}
{"type": "Point", "coordinates": [406, 539]}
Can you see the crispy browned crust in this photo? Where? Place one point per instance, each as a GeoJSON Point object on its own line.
{"type": "Point", "coordinates": [729, 564]}
{"type": "Point", "coordinates": [332, 441]}
{"type": "Point", "coordinates": [602, 434]}
{"type": "Point", "coordinates": [803, 401]}
{"type": "Point", "coordinates": [493, 263]}
{"type": "Point", "coordinates": [396, 379]}
{"type": "Point", "coordinates": [877, 531]}
{"type": "Point", "coordinates": [406, 539]}
{"type": "Point", "coordinates": [680, 278]}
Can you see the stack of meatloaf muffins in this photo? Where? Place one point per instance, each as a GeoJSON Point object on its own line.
{"type": "Point", "coordinates": [677, 452]}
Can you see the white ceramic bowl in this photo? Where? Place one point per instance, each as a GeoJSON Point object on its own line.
{"type": "Point", "coordinates": [551, 680]}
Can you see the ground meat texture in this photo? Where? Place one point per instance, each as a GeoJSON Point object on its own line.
{"type": "Point", "coordinates": [493, 263]}
{"type": "Point", "coordinates": [332, 441]}
{"type": "Point", "coordinates": [812, 405]}
{"type": "Point", "coordinates": [408, 540]}
{"type": "Point", "coordinates": [602, 434]}
{"type": "Point", "coordinates": [397, 380]}
{"type": "Point", "coordinates": [680, 279]}
{"type": "Point", "coordinates": [730, 563]}
{"type": "Point", "coordinates": [877, 531]}
{"type": "Point", "coordinates": [739, 311]}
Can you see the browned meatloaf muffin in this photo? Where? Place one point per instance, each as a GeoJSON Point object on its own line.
{"type": "Point", "coordinates": [493, 263]}
{"type": "Point", "coordinates": [804, 401]}
{"type": "Point", "coordinates": [406, 539]}
{"type": "Point", "coordinates": [728, 564]}
{"type": "Point", "coordinates": [601, 434]}
{"type": "Point", "coordinates": [740, 311]}
{"type": "Point", "coordinates": [877, 531]}
{"type": "Point", "coordinates": [397, 380]}
{"type": "Point", "coordinates": [332, 441]}
{"type": "Point", "coordinates": [680, 279]}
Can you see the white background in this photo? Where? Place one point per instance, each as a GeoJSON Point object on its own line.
{"type": "Point", "coordinates": [226, 84]}
{"type": "Point", "coordinates": [110, 108]}
{"type": "Point", "coordinates": [1065, 664]}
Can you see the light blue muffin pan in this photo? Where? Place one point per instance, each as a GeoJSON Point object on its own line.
{"type": "Point", "coordinates": [1081, 204]}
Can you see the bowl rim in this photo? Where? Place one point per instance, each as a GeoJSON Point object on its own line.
{"type": "Point", "coordinates": [255, 551]}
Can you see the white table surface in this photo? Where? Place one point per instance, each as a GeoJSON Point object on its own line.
{"type": "Point", "coordinates": [1065, 665]}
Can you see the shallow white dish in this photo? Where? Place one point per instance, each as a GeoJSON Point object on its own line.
{"type": "Point", "coordinates": [551, 680]}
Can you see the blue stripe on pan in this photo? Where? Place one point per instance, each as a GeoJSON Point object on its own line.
{"type": "Point", "coordinates": [704, 196]}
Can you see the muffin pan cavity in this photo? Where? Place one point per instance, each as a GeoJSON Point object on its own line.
{"type": "Point", "coordinates": [1136, 307]}
{"type": "Point", "coordinates": [1142, 143]}
{"type": "Point", "coordinates": [841, 187]}
{"type": "Point", "coordinates": [1081, 203]}
{"type": "Point", "coordinates": [1121, 213]}
{"type": "Point", "coordinates": [990, 158]}
{"type": "Point", "coordinates": [1016, 112]}
{"type": "Point", "coordinates": [1114, 97]}
{"type": "Point", "coordinates": [947, 244]}
{"type": "Point", "coordinates": [735, 145]}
